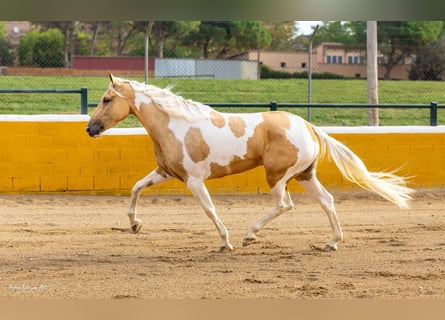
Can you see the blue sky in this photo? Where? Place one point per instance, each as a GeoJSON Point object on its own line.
{"type": "Point", "coordinates": [304, 27]}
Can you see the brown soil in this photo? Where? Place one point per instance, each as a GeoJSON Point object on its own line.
{"type": "Point", "coordinates": [67, 246]}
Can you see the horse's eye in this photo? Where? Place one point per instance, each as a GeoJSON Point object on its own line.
{"type": "Point", "coordinates": [106, 100]}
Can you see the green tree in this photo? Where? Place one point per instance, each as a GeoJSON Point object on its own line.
{"type": "Point", "coordinates": [68, 30]}
{"type": "Point", "coordinates": [357, 30]}
{"type": "Point", "coordinates": [399, 39]}
{"type": "Point", "coordinates": [219, 39]}
{"type": "Point", "coordinates": [101, 38]}
{"type": "Point", "coordinates": [118, 37]}
{"type": "Point", "coordinates": [335, 31]}
{"type": "Point", "coordinates": [281, 34]}
{"type": "Point", "coordinates": [168, 36]}
{"type": "Point", "coordinates": [25, 48]}
{"type": "Point", "coordinates": [43, 49]}
{"type": "Point", "coordinates": [430, 62]}
{"type": "Point", "coordinates": [122, 33]}
{"type": "Point", "coordinates": [6, 55]}
{"type": "Point", "coordinates": [83, 40]}
{"type": "Point", "coordinates": [94, 28]}
{"type": "Point", "coordinates": [211, 36]}
{"type": "Point", "coordinates": [48, 49]}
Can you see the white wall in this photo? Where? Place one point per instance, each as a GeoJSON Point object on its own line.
{"type": "Point", "coordinates": [215, 69]}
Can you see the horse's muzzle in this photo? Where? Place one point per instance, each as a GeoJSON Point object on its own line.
{"type": "Point", "coordinates": [94, 128]}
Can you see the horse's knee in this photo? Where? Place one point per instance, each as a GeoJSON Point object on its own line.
{"type": "Point", "coordinates": [140, 185]}
{"type": "Point", "coordinates": [283, 207]}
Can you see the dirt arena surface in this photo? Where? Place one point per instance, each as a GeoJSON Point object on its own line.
{"type": "Point", "coordinates": [66, 246]}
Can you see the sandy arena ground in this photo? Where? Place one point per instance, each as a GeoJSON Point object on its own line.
{"type": "Point", "coordinates": [65, 246]}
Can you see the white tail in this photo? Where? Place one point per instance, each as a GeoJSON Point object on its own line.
{"type": "Point", "coordinates": [386, 184]}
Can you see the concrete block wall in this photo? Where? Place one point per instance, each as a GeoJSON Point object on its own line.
{"type": "Point", "coordinates": [54, 154]}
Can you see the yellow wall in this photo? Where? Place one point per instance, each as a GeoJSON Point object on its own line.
{"type": "Point", "coordinates": [56, 155]}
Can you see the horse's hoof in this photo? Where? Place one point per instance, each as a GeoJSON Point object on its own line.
{"type": "Point", "coordinates": [330, 248]}
{"type": "Point", "coordinates": [136, 228]}
{"type": "Point", "coordinates": [248, 241]}
{"type": "Point", "coordinates": [228, 248]}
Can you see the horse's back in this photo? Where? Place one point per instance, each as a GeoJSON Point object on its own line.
{"type": "Point", "coordinates": [231, 143]}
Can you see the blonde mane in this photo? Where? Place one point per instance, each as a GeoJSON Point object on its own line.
{"type": "Point", "coordinates": [172, 104]}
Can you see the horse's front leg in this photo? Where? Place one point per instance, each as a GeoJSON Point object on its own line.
{"type": "Point", "coordinates": [156, 176]}
{"type": "Point", "coordinates": [199, 190]}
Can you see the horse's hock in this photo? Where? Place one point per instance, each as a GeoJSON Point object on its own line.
{"type": "Point", "coordinates": [52, 153]}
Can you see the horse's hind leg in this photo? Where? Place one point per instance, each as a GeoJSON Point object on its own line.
{"type": "Point", "coordinates": [156, 176]}
{"type": "Point", "coordinates": [199, 190]}
{"type": "Point", "coordinates": [326, 200]}
{"type": "Point", "coordinates": [283, 204]}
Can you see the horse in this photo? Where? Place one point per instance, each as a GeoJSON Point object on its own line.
{"type": "Point", "coordinates": [193, 142]}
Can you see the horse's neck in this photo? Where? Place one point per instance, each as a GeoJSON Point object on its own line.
{"type": "Point", "coordinates": [154, 120]}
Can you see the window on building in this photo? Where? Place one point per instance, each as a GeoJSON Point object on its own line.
{"type": "Point", "coordinates": [303, 65]}
{"type": "Point", "coordinates": [334, 59]}
{"type": "Point", "coordinates": [283, 64]}
{"type": "Point", "coordinates": [355, 60]}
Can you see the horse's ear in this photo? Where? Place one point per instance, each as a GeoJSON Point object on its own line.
{"type": "Point", "coordinates": [111, 77]}
{"type": "Point", "coordinates": [115, 81]}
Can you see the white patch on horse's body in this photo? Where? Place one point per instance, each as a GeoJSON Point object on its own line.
{"type": "Point", "coordinates": [224, 145]}
{"type": "Point", "coordinates": [141, 99]}
{"type": "Point", "coordinates": [193, 142]}
{"type": "Point", "coordinates": [167, 101]}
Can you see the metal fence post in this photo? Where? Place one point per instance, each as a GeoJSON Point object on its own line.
{"type": "Point", "coordinates": [83, 100]}
{"type": "Point", "coordinates": [309, 76]}
{"type": "Point", "coordinates": [433, 114]}
{"type": "Point", "coordinates": [273, 106]}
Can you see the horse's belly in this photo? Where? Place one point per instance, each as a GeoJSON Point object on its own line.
{"type": "Point", "coordinates": [235, 166]}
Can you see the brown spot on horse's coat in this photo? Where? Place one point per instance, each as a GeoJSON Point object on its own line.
{"type": "Point", "coordinates": [269, 146]}
{"type": "Point", "coordinates": [308, 173]}
{"type": "Point", "coordinates": [217, 119]}
{"type": "Point", "coordinates": [195, 145]}
{"type": "Point", "coordinates": [237, 165]}
{"type": "Point", "coordinates": [168, 150]}
{"type": "Point", "coordinates": [237, 125]}
{"type": "Point", "coordinates": [278, 152]}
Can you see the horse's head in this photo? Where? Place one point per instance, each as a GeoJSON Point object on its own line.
{"type": "Point", "coordinates": [114, 106]}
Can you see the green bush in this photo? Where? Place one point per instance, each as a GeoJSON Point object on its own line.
{"type": "Point", "coordinates": [6, 56]}
{"type": "Point", "coordinates": [43, 49]}
{"type": "Point", "coordinates": [25, 48]}
{"type": "Point", "coordinates": [267, 73]}
{"type": "Point", "coordinates": [429, 63]}
{"type": "Point", "coordinates": [48, 49]}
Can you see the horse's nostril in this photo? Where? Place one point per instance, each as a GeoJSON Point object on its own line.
{"type": "Point", "coordinates": [94, 128]}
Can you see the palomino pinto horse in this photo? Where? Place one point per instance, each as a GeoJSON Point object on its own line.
{"type": "Point", "coordinates": [193, 142]}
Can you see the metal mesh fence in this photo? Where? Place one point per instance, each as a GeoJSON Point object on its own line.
{"type": "Point", "coordinates": [252, 75]}
{"type": "Point", "coordinates": [341, 82]}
